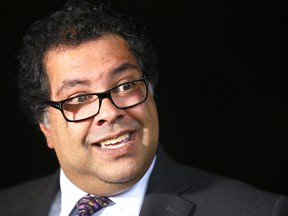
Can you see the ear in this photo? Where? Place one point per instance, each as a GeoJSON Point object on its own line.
{"type": "Point", "coordinates": [47, 133]}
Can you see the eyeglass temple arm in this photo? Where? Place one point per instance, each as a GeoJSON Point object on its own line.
{"type": "Point", "coordinates": [54, 104]}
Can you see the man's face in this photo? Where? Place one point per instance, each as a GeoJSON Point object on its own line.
{"type": "Point", "coordinates": [92, 67]}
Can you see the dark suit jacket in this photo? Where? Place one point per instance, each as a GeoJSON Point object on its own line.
{"type": "Point", "coordinates": [173, 189]}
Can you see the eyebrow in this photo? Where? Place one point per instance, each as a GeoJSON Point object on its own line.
{"type": "Point", "coordinates": [70, 83]}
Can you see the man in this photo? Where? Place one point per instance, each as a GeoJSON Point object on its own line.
{"type": "Point", "coordinates": [87, 75]}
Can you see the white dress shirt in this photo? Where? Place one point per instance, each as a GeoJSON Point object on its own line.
{"type": "Point", "coordinates": [127, 203]}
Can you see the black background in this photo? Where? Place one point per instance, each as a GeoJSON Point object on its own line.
{"type": "Point", "coordinates": [222, 96]}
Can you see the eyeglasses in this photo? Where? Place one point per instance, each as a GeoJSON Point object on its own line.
{"type": "Point", "coordinates": [86, 106]}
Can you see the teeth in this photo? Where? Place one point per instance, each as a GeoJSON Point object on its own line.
{"type": "Point", "coordinates": [114, 141]}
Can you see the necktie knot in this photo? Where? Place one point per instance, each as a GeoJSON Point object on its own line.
{"type": "Point", "coordinates": [88, 204]}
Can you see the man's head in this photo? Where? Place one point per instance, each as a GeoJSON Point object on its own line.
{"type": "Point", "coordinates": [79, 21]}
{"type": "Point", "coordinates": [74, 53]}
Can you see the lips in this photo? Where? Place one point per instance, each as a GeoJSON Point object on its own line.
{"type": "Point", "coordinates": [115, 142]}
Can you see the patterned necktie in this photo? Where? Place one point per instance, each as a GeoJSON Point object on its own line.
{"type": "Point", "coordinates": [88, 204]}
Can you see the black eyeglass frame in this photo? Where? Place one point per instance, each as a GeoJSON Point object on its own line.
{"type": "Point", "coordinates": [101, 95]}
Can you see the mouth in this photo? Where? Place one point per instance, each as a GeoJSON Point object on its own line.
{"type": "Point", "coordinates": [115, 142]}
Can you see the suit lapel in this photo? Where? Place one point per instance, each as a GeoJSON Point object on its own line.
{"type": "Point", "coordinates": [43, 200]}
{"type": "Point", "coordinates": [166, 190]}
{"type": "Point", "coordinates": [165, 204]}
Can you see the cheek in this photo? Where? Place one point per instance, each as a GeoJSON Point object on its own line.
{"type": "Point", "coordinates": [72, 133]}
{"type": "Point", "coordinates": [146, 114]}
{"type": "Point", "coordinates": [154, 122]}
{"type": "Point", "coordinates": [149, 119]}
{"type": "Point", "coordinates": [67, 134]}
{"type": "Point", "coordinates": [152, 111]}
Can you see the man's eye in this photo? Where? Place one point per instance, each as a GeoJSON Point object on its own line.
{"type": "Point", "coordinates": [81, 99]}
{"type": "Point", "coordinates": [125, 87]}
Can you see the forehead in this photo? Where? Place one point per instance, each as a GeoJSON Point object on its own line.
{"type": "Point", "coordinates": [99, 48]}
{"type": "Point", "coordinates": [92, 61]}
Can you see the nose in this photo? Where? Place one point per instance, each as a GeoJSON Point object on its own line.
{"type": "Point", "coordinates": [108, 112]}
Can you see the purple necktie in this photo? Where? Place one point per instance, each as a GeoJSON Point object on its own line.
{"type": "Point", "coordinates": [88, 204]}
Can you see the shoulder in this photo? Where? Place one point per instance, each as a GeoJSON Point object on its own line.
{"type": "Point", "coordinates": [28, 187]}
{"type": "Point", "coordinates": [38, 193]}
{"type": "Point", "coordinates": [210, 191]}
{"type": "Point", "coordinates": [222, 194]}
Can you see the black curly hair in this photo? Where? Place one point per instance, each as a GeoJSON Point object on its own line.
{"type": "Point", "coordinates": [79, 21]}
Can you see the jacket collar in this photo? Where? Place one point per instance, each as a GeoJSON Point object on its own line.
{"type": "Point", "coordinates": [42, 203]}
{"type": "Point", "coordinates": [166, 189]}
{"type": "Point", "coordinates": [166, 204]}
